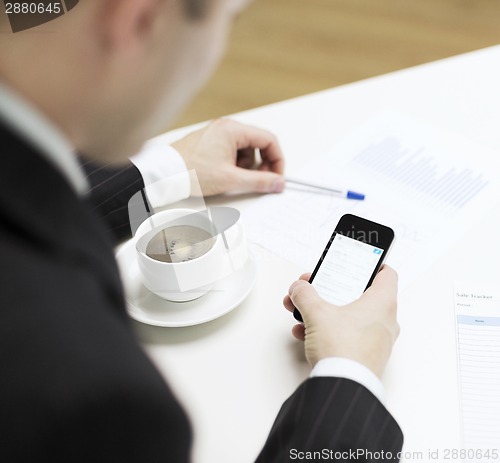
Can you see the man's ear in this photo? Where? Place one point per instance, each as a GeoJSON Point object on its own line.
{"type": "Point", "coordinates": [125, 21]}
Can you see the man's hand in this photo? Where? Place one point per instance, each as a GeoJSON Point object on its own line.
{"type": "Point", "coordinates": [223, 156]}
{"type": "Point", "coordinates": [364, 330]}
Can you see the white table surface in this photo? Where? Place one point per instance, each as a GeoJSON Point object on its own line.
{"type": "Point", "coordinates": [233, 374]}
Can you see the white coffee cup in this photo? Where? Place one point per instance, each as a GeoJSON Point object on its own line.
{"type": "Point", "coordinates": [185, 281]}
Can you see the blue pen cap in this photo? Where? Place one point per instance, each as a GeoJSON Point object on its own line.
{"type": "Point", "coordinates": [354, 195]}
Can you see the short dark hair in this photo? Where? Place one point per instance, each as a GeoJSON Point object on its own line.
{"type": "Point", "coordinates": [196, 8]}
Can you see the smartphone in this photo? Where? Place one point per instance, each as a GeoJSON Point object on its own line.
{"type": "Point", "coordinates": [351, 260]}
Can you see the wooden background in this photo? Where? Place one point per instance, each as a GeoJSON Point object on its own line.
{"type": "Point", "coordinates": [285, 48]}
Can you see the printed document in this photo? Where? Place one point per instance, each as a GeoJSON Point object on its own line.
{"type": "Point", "coordinates": [477, 310]}
{"type": "Point", "coordinates": [427, 184]}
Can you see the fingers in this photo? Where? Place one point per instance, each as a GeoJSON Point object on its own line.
{"type": "Point", "coordinates": [303, 296]}
{"type": "Point", "coordinates": [247, 136]}
{"type": "Point", "coordinates": [246, 158]}
{"type": "Point", "coordinates": [384, 287]}
{"type": "Point", "coordinates": [272, 159]}
{"type": "Point", "coordinates": [287, 302]}
{"type": "Point", "coordinates": [299, 332]}
{"type": "Point", "coordinates": [387, 272]}
{"type": "Point", "coordinates": [259, 182]}
{"type": "Point", "coordinates": [305, 276]}
{"type": "Point", "coordinates": [381, 299]}
{"type": "Point", "coordinates": [233, 146]}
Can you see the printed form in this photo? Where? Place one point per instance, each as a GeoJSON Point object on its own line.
{"type": "Point", "coordinates": [477, 309]}
{"type": "Point", "coordinates": [429, 185]}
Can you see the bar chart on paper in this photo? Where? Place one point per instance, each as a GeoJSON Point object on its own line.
{"type": "Point", "coordinates": [429, 185]}
{"type": "Point", "coordinates": [477, 308]}
{"type": "Point", "coordinates": [418, 171]}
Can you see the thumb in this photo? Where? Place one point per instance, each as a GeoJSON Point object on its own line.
{"type": "Point", "coordinates": [260, 181]}
{"type": "Point", "coordinates": [304, 297]}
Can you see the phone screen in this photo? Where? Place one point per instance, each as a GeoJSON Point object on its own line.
{"type": "Point", "coordinates": [346, 269]}
{"type": "Point", "coordinates": [350, 260]}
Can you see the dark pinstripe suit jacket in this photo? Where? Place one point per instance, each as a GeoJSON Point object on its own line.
{"type": "Point", "coordinates": [75, 386]}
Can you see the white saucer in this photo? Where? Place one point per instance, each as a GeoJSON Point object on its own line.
{"type": "Point", "coordinates": [146, 307]}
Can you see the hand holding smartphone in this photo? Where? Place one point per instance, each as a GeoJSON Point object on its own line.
{"type": "Point", "coordinates": [351, 260]}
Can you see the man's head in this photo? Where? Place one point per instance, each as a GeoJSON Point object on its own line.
{"type": "Point", "coordinates": [112, 73]}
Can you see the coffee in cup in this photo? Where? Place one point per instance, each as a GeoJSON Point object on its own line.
{"type": "Point", "coordinates": [182, 253]}
{"type": "Point", "coordinates": [179, 243]}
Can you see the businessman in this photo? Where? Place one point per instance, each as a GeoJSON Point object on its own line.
{"type": "Point", "coordinates": [75, 386]}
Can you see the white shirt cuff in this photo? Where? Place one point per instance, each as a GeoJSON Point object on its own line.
{"type": "Point", "coordinates": [164, 172]}
{"type": "Point", "coordinates": [350, 369]}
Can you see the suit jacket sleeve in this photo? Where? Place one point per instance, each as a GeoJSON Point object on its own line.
{"type": "Point", "coordinates": [330, 415]}
{"type": "Point", "coordinates": [111, 189]}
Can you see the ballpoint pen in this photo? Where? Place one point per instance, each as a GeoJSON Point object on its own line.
{"type": "Point", "coordinates": [337, 191]}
